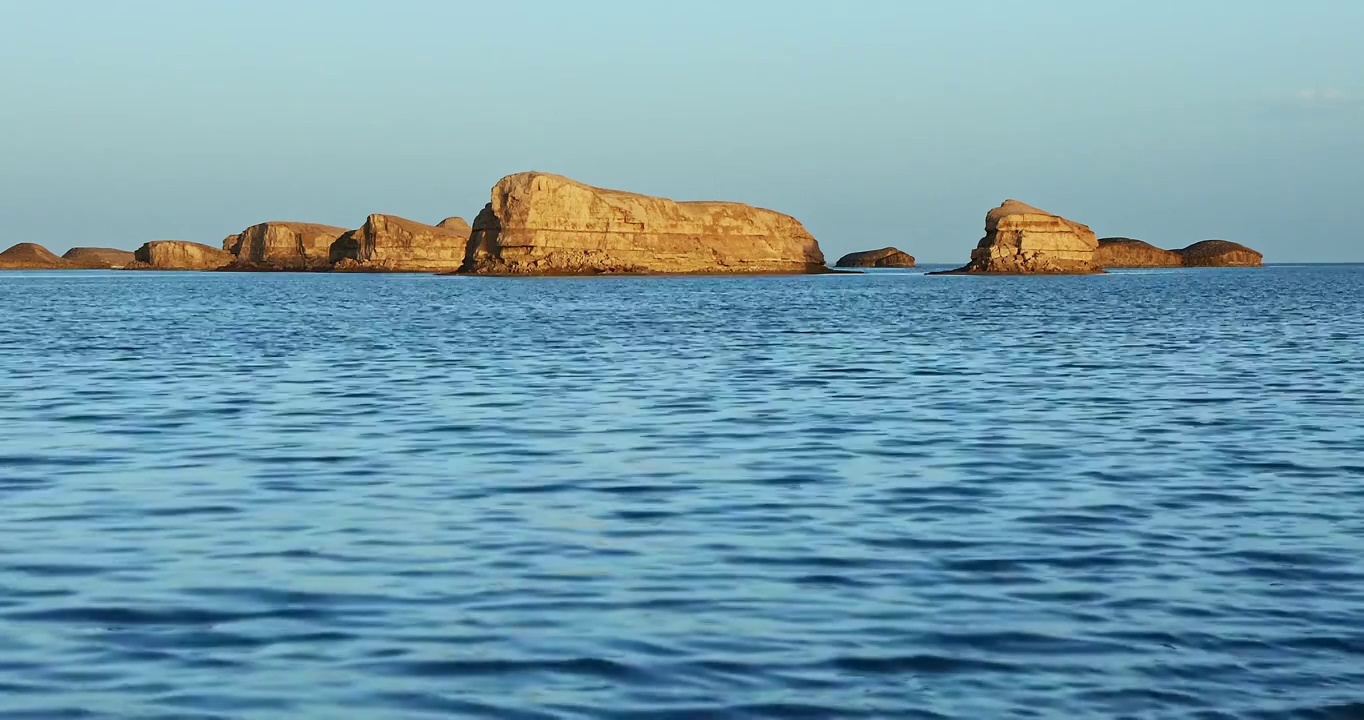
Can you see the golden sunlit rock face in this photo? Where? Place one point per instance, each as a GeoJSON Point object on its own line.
{"type": "Point", "coordinates": [542, 224]}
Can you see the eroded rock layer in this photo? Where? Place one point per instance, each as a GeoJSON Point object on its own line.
{"type": "Point", "coordinates": [542, 224]}
{"type": "Point", "coordinates": [1129, 253]}
{"type": "Point", "coordinates": [1219, 253]}
{"type": "Point", "coordinates": [393, 244]}
{"type": "Point", "coordinates": [179, 255]}
{"type": "Point", "coordinates": [884, 258]}
{"type": "Point", "coordinates": [1021, 239]}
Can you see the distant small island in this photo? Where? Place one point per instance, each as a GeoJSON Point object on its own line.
{"type": "Point", "coordinates": [544, 224]}
{"type": "Point", "coordinates": [887, 257]}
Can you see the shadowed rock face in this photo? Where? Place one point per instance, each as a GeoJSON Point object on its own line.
{"type": "Point", "coordinates": [1129, 253]}
{"type": "Point", "coordinates": [31, 256]}
{"type": "Point", "coordinates": [1219, 253]}
{"type": "Point", "coordinates": [89, 257]}
{"type": "Point", "coordinates": [884, 258]}
{"type": "Point", "coordinates": [394, 244]}
{"type": "Point", "coordinates": [1020, 238]}
{"type": "Point", "coordinates": [233, 243]}
{"type": "Point", "coordinates": [542, 224]}
{"type": "Point", "coordinates": [286, 245]}
{"type": "Point", "coordinates": [179, 255]}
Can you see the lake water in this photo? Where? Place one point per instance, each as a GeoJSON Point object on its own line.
{"type": "Point", "coordinates": [848, 496]}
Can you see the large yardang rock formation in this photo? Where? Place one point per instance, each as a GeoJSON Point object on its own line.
{"type": "Point", "coordinates": [286, 246]}
{"type": "Point", "coordinates": [179, 255]}
{"type": "Point", "coordinates": [884, 258]}
{"type": "Point", "coordinates": [1128, 253]}
{"type": "Point", "coordinates": [542, 224]}
{"type": "Point", "coordinates": [393, 244]}
{"type": "Point", "coordinates": [1219, 253]}
{"type": "Point", "coordinates": [103, 258]}
{"type": "Point", "coordinates": [31, 256]}
{"type": "Point", "coordinates": [1021, 239]}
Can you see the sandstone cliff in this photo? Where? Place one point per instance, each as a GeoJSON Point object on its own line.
{"type": "Point", "coordinates": [31, 256]}
{"type": "Point", "coordinates": [179, 255]}
{"type": "Point", "coordinates": [91, 257]}
{"type": "Point", "coordinates": [1021, 239]}
{"type": "Point", "coordinates": [1219, 253]}
{"type": "Point", "coordinates": [542, 224]}
{"type": "Point", "coordinates": [1129, 253]}
{"type": "Point", "coordinates": [884, 258]}
{"type": "Point", "coordinates": [286, 246]}
{"type": "Point", "coordinates": [393, 244]}
{"type": "Point", "coordinates": [233, 243]}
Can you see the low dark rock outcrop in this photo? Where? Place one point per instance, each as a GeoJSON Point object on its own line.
{"type": "Point", "coordinates": [388, 243]}
{"type": "Point", "coordinates": [1118, 252]}
{"type": "Point", "coordinates": [178, 255]}
{"type": "Point", "coordinates": [884, 258]}
{"type": "Point", "coordinates": [1021, 239]}
{"type": "Point", "coordinates": [543, 224]}
{"type": "Point", "coordinates": [31, 256]}
{"type": "Point", "coordinates": [1219, 253]}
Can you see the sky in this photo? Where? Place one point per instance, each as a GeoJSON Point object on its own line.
{"type": "Point", "coordinates": [873, 122]}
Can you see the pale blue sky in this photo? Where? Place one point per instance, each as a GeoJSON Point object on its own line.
{"type": "Point", "coordinates": [874, 123]}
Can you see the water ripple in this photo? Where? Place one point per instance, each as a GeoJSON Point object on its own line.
{"type": "Point", "coordinates": [852, 496]}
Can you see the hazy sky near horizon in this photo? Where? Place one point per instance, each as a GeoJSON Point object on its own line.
{"type": "Point", "coordinates": [873, 122]}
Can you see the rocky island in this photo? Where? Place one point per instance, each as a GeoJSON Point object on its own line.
{"type": "Point", "coordinates": [31, 256]}
{"type": "Point", "coordinates": [1120, 252]}
{"type": "Point", "coordinates": [1219, 253]}
{"type": "Point", "coordinates": [178, 255]}
{"type": "Point", "coordinates": [1021, 239]}
{"type": "Point", "coordinates": [887, 257]}
{"type": "Point", "coordinates": [99, 258]}
{"type": "Point", "coordinates": [543, 224]}
{"type": "Point", "coordinates": [283, 246]}
{"type": "Point", "coordinates": [388, 243]}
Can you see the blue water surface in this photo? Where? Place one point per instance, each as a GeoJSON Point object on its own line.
{"type": "Point", "coordinates": [882, 495]}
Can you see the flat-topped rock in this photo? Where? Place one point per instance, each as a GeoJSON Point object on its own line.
{"type": "Point", "coordinates": [1118, 252]}
{"type": "Point", "coordinates": [31, 256]}
{"type": "Point", "coordinates": [1021, 239]}
{"type": "Point", "coordinates": [388, 243]}
{"type": "Point", "coordinates": [1219, 253]}
{"type": "Point", "coordinates": [543, 224]}
{"type": "Point", "coordinates": [286, 246]}
{"type": "Point", "coordinates": [888, 257]}
{"type": "Point", "coordinates": [94, 257]}
{"type": "Point", "coordinates": [179, 255]}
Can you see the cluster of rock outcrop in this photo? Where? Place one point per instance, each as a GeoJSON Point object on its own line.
{"type": "Point", "coordinates": [888, 257]}
{"type": "Point", "coordinates": [543, 224]}
{"type": "Point", "coordinates": [31, 256]}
